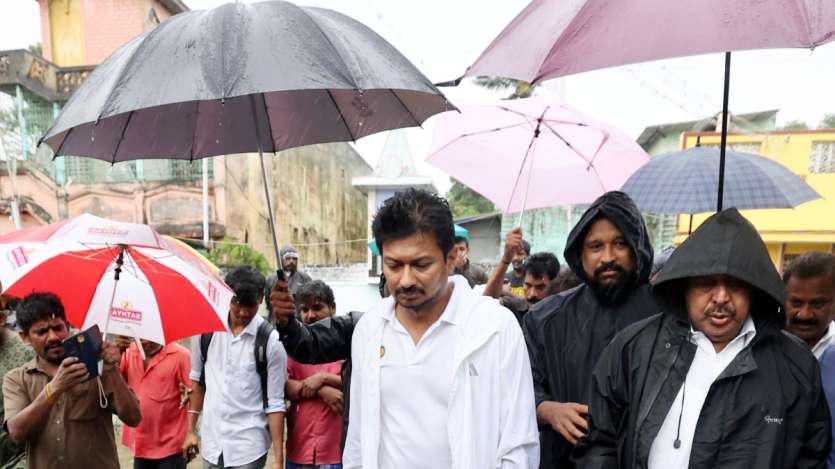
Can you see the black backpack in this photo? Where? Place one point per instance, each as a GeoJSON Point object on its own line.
{"type": "Point", "coordinates": [261, 337]}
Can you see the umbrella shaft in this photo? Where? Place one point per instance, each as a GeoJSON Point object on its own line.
{"type": "Point", "coordinates": [724, 140]}
{"type": "Point", "coordinates": [269, 205]}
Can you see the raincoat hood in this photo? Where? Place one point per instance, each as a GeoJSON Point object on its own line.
{"type": "Point", "coordinates": [618, 208]}
{"type": "Point", "coordinates": [726, 243]}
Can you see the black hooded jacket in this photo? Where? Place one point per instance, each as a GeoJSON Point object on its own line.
{"type": "Point", "coordinates": [566, 333]}
{"type": "Point", "coordinates": [765, 410]}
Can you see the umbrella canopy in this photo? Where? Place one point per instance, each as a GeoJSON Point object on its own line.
{"type": "Point", "coordinates": [164, 293]}
{"type": "Point", "coordinates": [684, 182]}
{"type": "Point", "coordinates": [552, 38]}
{"type": "Point", "coordinates": [533, 153]}
{"type": "Point", "coordinates": [239, 78]}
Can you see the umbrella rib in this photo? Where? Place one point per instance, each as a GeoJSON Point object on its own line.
{"type": "Point", "coordinates": [473, 134]}
{"type": "Point", "coordinates": [330, 43]}
{"type": "Point", "coordinates": [405, 107]}
{"type": "Point", "coordinates": [269, 123]}
{"type": "Point", "coordinates": [514, 111]}
{"type": "Point", "coordinates": [121, 137]}
{"type": "Point", "coordinates": [341, 116]}
{"type": "Point", "coordinates": [61, 146]}
{"type": "Point", "coordinates": [521, 168]}
{"type": "Point", "coordinates": [556, 134]}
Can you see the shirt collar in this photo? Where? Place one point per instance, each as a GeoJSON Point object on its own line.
{"type": "Point", "coordinates": [250, 329]}
{"type": "Point", "coordinates": [824, 341]}
{"type": "Point", "coordinates": [746, 333]}
{"type": "Point", "coordinates": [33, 365]}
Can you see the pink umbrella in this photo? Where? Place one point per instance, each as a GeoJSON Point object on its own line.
{"type": "Point", "coordinates": [123, 277]}
{"type": "Point", "coordinates": [533, 153]}
{"type": "Point", "coordinates": [552, 38]}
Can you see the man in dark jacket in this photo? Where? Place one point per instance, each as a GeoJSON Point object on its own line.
{"type": "Point", "coordinates": [610, 251]}
{"type": "Point", "coordinates": [713, 381]}
{"type": "Point", "coordinates": [326, 341]}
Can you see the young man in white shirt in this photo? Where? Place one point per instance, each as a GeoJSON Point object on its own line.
{"type": "Point", "coordinates": [441, 376]}
{"type": "Point", "coordinates": [810, 302]}
{"type": "Point", "coordinates": [240, 418]}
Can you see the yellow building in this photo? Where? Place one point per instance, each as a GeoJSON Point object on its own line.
{"type": "Point", "coordinates": [787, 232]}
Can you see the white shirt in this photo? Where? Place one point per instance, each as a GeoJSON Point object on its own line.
{"type": "Point", "coordinates": [824, 342]}
{"type": "Point", "coordinates": [234, 421]}
{"type": "Point", "coordinates": [707, 365]}
{"type": "Point", "coordinates": [490, 415]}
{"type": "Point", "coordinates": [415, 381]}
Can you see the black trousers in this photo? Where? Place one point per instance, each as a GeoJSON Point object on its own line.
{"type": "Point", "coordinates": [175, 461]}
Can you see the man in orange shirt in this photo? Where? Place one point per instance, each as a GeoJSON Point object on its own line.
{"type": "Point", "coordinates": [315, 418]}
{"type": "Point", "coordinates": [158, 381]}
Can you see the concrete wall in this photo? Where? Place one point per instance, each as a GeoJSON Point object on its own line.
{"type": "Point", "coordinates": [485, 239]}
{"type": "Point", "coordinates": [315, 206]}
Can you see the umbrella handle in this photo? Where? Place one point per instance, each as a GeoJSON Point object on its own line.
{"type": "Point", "coordinates": [120, 260]}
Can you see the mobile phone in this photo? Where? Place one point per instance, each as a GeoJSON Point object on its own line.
{"type": "Point", "coordinates": [86, 346]}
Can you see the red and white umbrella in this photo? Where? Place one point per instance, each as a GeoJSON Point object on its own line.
{"type": "Point", "coordinates": [124, 277]}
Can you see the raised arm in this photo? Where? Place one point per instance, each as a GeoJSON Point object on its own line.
{"type": "Point", "coordinates": [513, 243]}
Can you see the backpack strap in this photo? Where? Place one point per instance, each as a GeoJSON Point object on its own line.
{"type": "Point", "coordinates": [261, 339]}
{"type": "Point", "coordinates": [205, 341]}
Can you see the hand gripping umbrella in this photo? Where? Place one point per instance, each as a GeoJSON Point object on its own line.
{"type": "Point", "coordinates": [242, 78]}
{"type": "Point", "coordinates": [552, 38]}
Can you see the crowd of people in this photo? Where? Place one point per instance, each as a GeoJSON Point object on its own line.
{"type": "Point", "coordinates": [704, 358]}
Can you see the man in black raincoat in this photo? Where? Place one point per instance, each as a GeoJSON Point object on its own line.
{"type": "Point", "coordinates": [610, 251]}
{"type": "Point", "coordinates": [712, 381]}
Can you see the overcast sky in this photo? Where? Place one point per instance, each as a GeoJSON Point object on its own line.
{"type": "Point", "coordinates": [442, 37]}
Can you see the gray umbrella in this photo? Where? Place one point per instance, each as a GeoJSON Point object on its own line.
{"type": "Point", "coordinates": [240, 78]}
{"type": "Point", "coordinates": [686, 181]}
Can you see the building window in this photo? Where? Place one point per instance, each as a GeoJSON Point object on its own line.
{"type": "Point", "coordinates": [822, 159]}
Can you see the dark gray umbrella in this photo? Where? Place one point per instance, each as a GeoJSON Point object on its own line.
{"type": "Point", "coordinates": [686, 182]}
{"type": "Point", "coordinates": [241, 78]}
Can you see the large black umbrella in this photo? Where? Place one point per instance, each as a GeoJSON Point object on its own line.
{"type": "Point", "coordinates": [242, 78]}
{"type": "Point", "coordinates": [686, 182]}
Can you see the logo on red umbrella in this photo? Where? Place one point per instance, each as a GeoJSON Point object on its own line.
{"type": "Point", "coordinates": [126, 313]}
{"type": "Point", "coordinates": [212, 292]}
{"type": "Point", "coordinates": [19, 256]}
{"type": "Point", "coordinates": [107, 231]}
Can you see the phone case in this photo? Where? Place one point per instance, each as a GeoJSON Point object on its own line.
{"type": "Point", "coordinates": [85, 345]}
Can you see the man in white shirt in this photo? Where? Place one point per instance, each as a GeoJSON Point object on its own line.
{"type": "Point", "coordinates": [712, 381]}
{"type": "Point", "coordinates": [810, 302]}
{"type": "Point", "coordinates": [242, 409]}
{"type": "Point", "coordinates": [441, 377]}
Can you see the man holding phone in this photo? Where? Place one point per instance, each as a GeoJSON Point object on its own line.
{"type": "Point", "coordinates": [50, 402]}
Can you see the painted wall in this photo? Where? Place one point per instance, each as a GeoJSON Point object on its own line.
{"type": "Point", "coordinates": [315, 206]}
{"type": "Point", "coordinates": [810, 226]}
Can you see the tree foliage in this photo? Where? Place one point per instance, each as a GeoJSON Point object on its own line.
{"type": "Point", "coordinates": [521, 89]}
{"type": "Point", "coordinates": [828, 122]}
{"type": "Point", "coordinates": [230, 254]}
{"type": "Point", "coordinates": [796, 125]}
{"type": "Point", "coordinates": [465, 202]}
